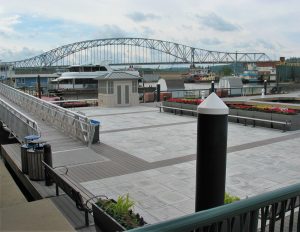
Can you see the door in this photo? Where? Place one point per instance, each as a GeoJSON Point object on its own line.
{"type": "Point", "coordinates": [123, 94]}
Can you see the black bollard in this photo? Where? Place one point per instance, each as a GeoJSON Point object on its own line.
{"type": "Point", "coordinates": [211, 153]}
{"type": "Point", "coordinates": [158, 92]}
{"type": "Point", "coordinates": [48, 160]}
{"type": "Point", "coordinates": [265, 87]}
{"type": "Point", "coordinates": [212, 89]}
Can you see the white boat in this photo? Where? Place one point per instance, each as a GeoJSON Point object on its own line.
{"type": "Point", "coordinates": [84, 76]}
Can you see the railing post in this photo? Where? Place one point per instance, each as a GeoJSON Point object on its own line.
{"type": "Point", "coordinates": [265, 87]}
{"type": "Point", "coordinates": [48, 160]}
{"type": "Point", "coordinates": [212, 88]}
{"type": "Point", "coordinates": [211, 153]}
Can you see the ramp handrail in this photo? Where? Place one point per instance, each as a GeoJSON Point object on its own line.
{"type": "Point", "coordinates": [71, 123]}
{"type": "Point", "coordinates": [19, 124]}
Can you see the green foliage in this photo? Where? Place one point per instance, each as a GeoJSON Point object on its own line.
{"type": "Point", "coordinates": [122, 206]}
{"type": "Point", "coordinates": [227, 71]}
{"type": "Point", "coordinates": [121, 210]}
{"type": "Point", "coordinates": [229, 198]}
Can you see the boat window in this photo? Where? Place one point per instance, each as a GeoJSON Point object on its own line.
{"type": "Point", "coordinates": [66, 81]}
{"type": "Point", "coordinates": [93, 68]}
{"type": "Point", "coordinates": [86, 81]}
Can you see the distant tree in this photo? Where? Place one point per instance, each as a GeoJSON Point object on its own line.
{"type": "Point", "coordinates": [227, 71]}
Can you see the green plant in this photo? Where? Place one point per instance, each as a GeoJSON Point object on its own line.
{"type": "Point", "coordinates": [122, 206]}
{"type": "Point", "coordinates": [121, 210]}
{"type": "Point", "coordinates": [229, 198]}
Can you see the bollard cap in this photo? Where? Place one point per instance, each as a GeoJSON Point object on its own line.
{"type": "Point", "coordinates": [213, 105]}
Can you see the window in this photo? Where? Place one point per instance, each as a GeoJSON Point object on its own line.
{"type": "Point", "coordinates": [102, 87]}
{"type": "Point", "coordinates": [110, 87]}
{"type": "Point", "coordinates": [134, 86]}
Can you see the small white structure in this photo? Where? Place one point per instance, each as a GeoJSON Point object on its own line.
{"type": "Point", "coordinates": [235, 84]}
{"type": "Point", "coordinates": [172, 85]}
{"type": "Point", "coordinates": [118, 88]}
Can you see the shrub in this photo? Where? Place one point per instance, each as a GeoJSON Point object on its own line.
{"type": "Point", "coordinates": [229, 198]}
{"type": "Point", "coordinates": [121, 210]}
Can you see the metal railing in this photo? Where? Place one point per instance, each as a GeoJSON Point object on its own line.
{"type": "Point", "coordinates": [277, 209]}
{"type": "Point", "coordinates": [71, 123]}
{"type": "Point", "coordinates": [222, 92]}
{"type": "Point", "coordinates": [19, 124]}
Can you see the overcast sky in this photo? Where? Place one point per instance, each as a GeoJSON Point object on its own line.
{"type": "Point", "coordinates": [30, 27]}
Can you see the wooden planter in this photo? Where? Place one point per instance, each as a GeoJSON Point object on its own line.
{"type": "Point", "coordinates": [263, 115]}
{"type": "Point", "coordinates": [244, 113]}
{"type": "Point", "coordinates": [104, 222]}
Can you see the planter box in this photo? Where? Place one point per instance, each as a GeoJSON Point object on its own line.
{"type": "Point", "coordinates": [104, 222]}
{"type": "Point", "coordinates": [263, 115]}
{"type": "Point", "coordinates": [180, 106]}
{"type": "Point", "coordinates": [244, 113]}
{"type": "Point", "coordinates": [294, 119]}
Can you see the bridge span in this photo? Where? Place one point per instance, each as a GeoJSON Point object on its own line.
{"type": "Point", "coordinates": [134, 51]}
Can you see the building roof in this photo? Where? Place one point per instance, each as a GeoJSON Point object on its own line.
{"type": "Point", "coordinates": [118, 75]}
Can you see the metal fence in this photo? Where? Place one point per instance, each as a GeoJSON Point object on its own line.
{"type": "Point", "coordinates": [222, 92]}
{"type": "Point", "coordinates": [273, 211]}
{"type": "Point", "coordinates": [71, 123]}
{"type": "Point", "coordinates": [19, 124]}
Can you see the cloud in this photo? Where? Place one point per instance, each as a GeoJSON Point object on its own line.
{"type": "Point", "coordinates": [217, 23]}
{"type": "Point", "coordinates": [111, 31]}
{"type": "Point", "coordinates": [265, 44]}
{"type": "Point", "coordinates": [210, 41]}
{"type": "Point", "coordinates": [141, 17]}
{"type": "Point", "coordinates": [147, 32]}
{"type": "Point", "coordinates": [7, 25]}
{"type": "Point", "coordinates": [12, 55]}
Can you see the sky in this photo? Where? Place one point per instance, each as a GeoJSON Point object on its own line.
{"type": "Point", "coordinates": [31, 27]}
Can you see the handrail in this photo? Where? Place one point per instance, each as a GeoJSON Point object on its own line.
{"type": "Point", "coordinates": [19, 124]}
{"type": "Point", "coordinates": [217, 215]}
{"type": "Point", "coordinates": [70, 122]}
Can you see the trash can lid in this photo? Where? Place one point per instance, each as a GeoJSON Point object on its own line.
{"type": "Point", "coordinates": [32, 137]}
{"type": "Point", "coordinates": [95, 122]}
{"type": "Point", "coordinates": [37, 141]}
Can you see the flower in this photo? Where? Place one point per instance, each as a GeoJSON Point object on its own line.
{"type": "Point", "coordinates": [264, 108]}
{"type": "Point", "coordinates": [186, 101]}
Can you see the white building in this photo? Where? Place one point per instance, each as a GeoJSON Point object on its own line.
{"type": "Point", "coordinates": [118, 88]}
{"type": "Point", "coordinates": [169, 84]}
{"type": "Point", "coordinates": [234, 84]}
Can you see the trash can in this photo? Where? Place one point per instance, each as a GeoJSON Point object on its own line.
{"type": "Point", "coordinates": [35, 165]}
{"type": "Point", "coordinates": [96, 125]}
{"type": "Point", "coordinates": [28, 144]}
